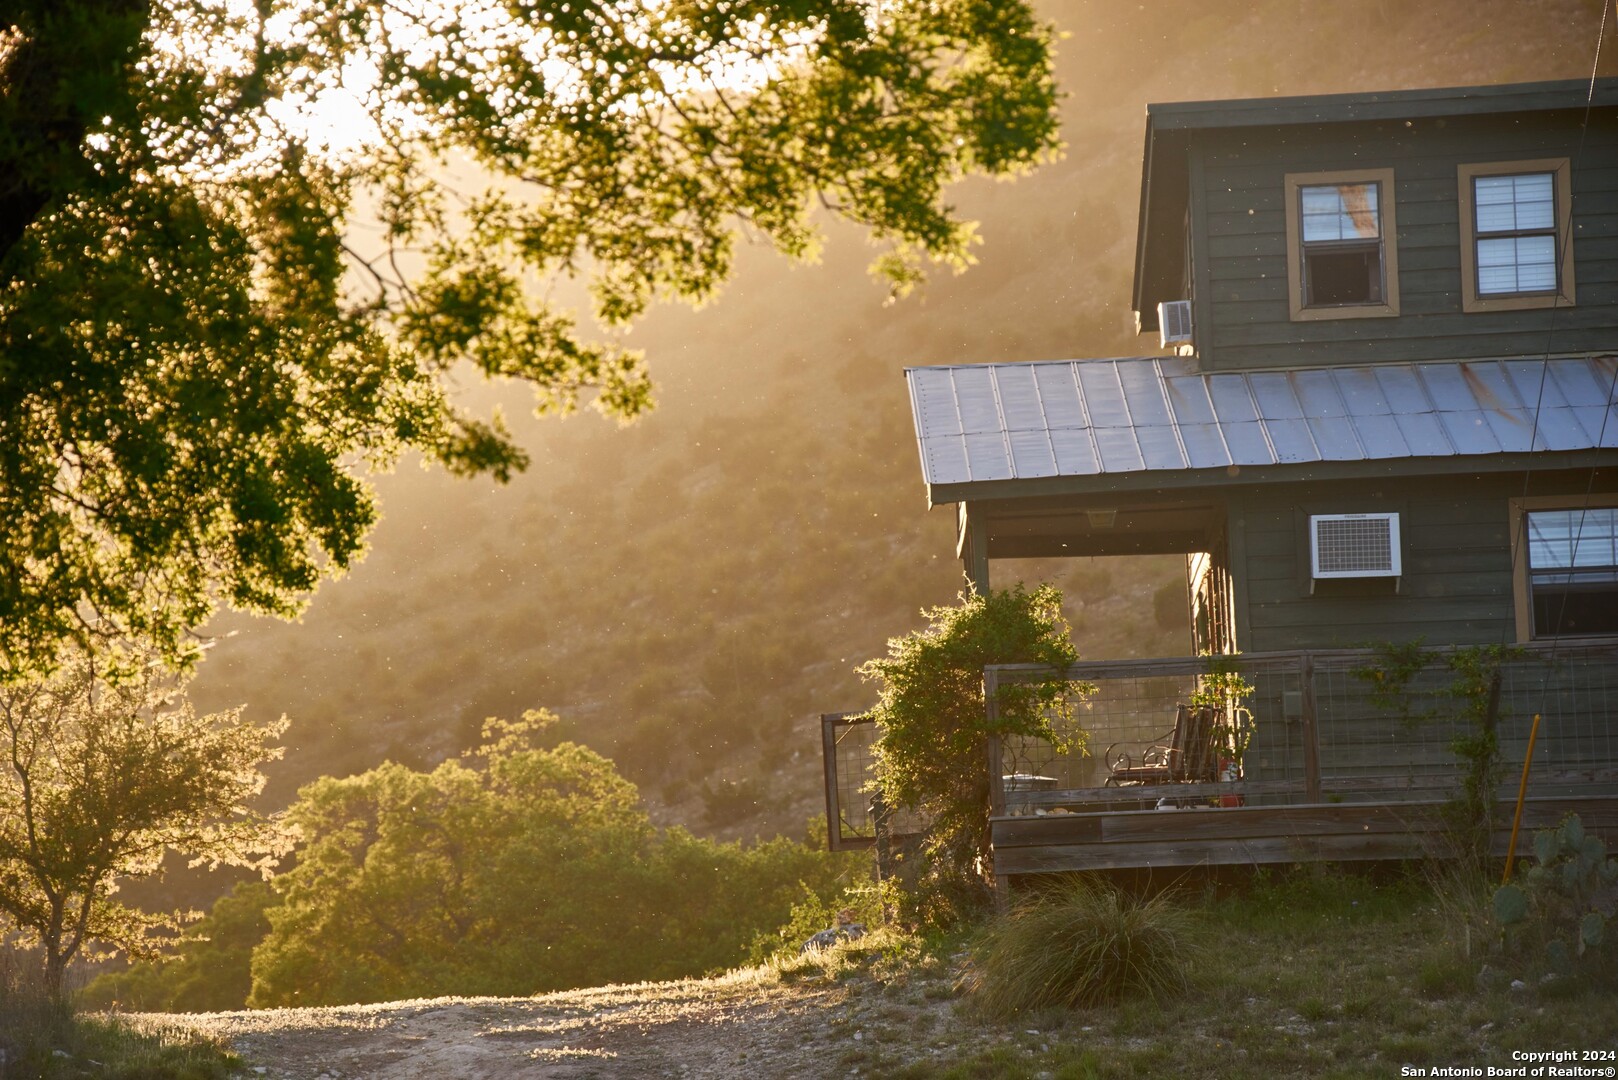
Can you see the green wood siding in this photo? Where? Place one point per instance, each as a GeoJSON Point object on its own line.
{"type": "Point", "coordinates": [1241, 253]}
{"type": "Point", "coordinates": [1456, 587]}
{"type": "Point", "coordinates": [1456, 546]}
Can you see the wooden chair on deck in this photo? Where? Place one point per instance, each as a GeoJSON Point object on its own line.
{"type": "Point", "coordinates": [1187, 757]}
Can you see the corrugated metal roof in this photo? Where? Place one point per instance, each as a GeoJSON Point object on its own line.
{"type": "Point", "coordinates": [1085, 417]}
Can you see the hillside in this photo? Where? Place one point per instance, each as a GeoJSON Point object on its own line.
{"type": "Point", "coordinates": [688, 593]}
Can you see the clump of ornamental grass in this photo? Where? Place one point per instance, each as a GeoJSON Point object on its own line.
{"type": "Point", "coordinates": [1077, 944]}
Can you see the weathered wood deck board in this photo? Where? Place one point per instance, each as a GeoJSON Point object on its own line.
{"type": "Point", "coordinates": [1234, 823]}
{"type": "Point", "coordinates": [1153, 792]}
{"type": "Point", "coordinates": [1256, 851]}
{"type": "Point", "coordinates": [1258, 834]}
{"type": "Point", "coordinates": [1262, 821]}
{"type": "Point", "coordinates": [1546, 783]}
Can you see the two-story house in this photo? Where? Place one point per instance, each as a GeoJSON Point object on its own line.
{"type": "Point", "coordinates": [1383, 410]}
{"type": "Point", "coordinates": [1399, 306]}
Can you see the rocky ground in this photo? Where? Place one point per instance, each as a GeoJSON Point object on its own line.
{"type": "Point", "coordinates": [750, 1024]}
{"type": "Point", "coordinates": [1317, 976]}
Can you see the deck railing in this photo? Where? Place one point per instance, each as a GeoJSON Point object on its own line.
{"type": "Point", "coordinates": [1320, 735]}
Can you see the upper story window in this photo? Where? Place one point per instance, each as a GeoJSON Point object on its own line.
{"type": "Point", "coordinates": [1516, 247]}
{"type": "Point", "coordinates": [1341, 261]}
{"type": "Point", "coordinates": [1567, 585]}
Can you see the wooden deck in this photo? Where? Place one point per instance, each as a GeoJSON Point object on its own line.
{"type": "Point", "coordinates": [1332, 773]}
{"type": "Point", "coordinates": [1248, 835]}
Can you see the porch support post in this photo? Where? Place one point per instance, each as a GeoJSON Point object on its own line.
{"type": "Point", "coordinates": [972, 548]}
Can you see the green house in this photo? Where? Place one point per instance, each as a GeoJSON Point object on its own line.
{"type": "Point", "coordinates": [1377, 405]}
{"type": "Point", "coordinates": [1382, 408]}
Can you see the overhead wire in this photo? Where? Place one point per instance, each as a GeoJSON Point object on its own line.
{"type": "Point", "coordinates": [1565, 240]}
{"type": "Point", "coordinates": [1520, 540]}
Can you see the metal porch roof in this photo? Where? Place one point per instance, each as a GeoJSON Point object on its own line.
{"type": "Point", "coordinates": [983, 422]}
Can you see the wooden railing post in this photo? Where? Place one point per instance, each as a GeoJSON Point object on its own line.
{"type": "Point", "coordinates": [834, 811]}
{"type": "Point", "coordinates": [991, 706]}
{"type": "Point", "coordinates": [997, 784]}
{"type": "Point", "coordinates": [1311, 729]}
{"type": "Point", "coordinates": [882, 818]}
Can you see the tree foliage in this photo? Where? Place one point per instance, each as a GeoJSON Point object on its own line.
{"type": "Point", "coordinates": [931, 756]}
{"type": "Point", "coordinates": [100, 781]}
{"type": "Point", "coordinates": [202, 342]}
{"type": "Point", "coordinates": [513, 870]}
{"type": "Point", "coordinates": [208, 969]}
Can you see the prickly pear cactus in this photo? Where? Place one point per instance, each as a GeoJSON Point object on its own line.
{"type": "Point", "coordinates": [1573, 891]}
{"type": "Point", "coordinates": [1592, 931]}
{"type": "Point", "coordinates": [1510, 905]}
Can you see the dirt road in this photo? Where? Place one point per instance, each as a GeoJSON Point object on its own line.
{"type": "Point", "coordinates": [737, 1027]}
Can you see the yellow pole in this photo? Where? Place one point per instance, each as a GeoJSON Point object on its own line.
{"type": "Point", "coordinates": [1522, 793]}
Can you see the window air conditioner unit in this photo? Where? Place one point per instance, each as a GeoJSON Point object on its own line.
{"type": "Point", "coordinates": [1174, 322]}
{"type": "Point", "coordinates": [1354, 545]}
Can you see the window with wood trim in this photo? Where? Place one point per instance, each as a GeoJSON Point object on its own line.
{"type": "Point", "coordinates": [1341, 259]}
{"type": "Point", "coordinates": [1566, 560]}
{"type": "Point", "coordinates": [1516, 240]}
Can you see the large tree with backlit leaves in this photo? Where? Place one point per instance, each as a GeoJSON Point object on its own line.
{"type": "Point", "coordinates": [215, 316]}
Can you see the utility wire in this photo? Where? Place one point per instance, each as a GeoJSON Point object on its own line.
{"type": "Point", "coordinates": [1520, 541]}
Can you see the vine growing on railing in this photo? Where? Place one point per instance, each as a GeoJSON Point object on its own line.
{"type": "Point", "coordinates": [1398, 663]}
{"type": "Point", "coordinates": [1474, 687]}
{"type": "Point", "coordinates": [931, 757]}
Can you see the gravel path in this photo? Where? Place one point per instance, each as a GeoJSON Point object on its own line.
{"type": "Point", "coordinates": [737, 1027]}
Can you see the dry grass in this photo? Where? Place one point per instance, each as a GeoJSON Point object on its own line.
{"type": "Point", "coordinates": [1312, 974]}
{"type": "Point", "coordinates": [43, 1039]}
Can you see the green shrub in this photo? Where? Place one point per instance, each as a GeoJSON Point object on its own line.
{"type": "Point", "coordinates": [1077, 944]}
{"type": "Point", "coordinates": [515, 869]}
{"type": "Point", "coordinates": [209, 968]}
{"type": "Point", "coordinates": [817, 911]}
{"type": "Point", "coordinates": [935, 730]}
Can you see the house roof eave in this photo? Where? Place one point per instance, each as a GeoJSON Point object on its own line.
{"type": "Point", "coordinates": [1104, 486]}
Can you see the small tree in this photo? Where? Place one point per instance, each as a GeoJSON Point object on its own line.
{"type": "Point", "coordinates": [931, 756]}
{"type": "Point", "coordinates": [99, 781]}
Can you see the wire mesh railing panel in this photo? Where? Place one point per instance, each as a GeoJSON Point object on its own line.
{"type": "Point", "coordinates": [1135, 727]}
{"type": "Point", "coordinates": [1352, 726]}
{"type": "Point", "coordinates": [1340, 726]}
{"type": "Point", "coordinates": [1275, 753]}
{"type": "Point", "coordinates": [1126, 715]}
{"type": "Point", "coordinates": [1380, 746]}
{"type": "Point", "coordinates": [1575, 692]}
{"type": "Point", "coordinates": [849, 742]}
{"type": "Point", "coordinates": [849, 806]}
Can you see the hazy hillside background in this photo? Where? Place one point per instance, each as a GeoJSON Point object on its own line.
{"type": "Point", "coordinates": [689, 593]}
